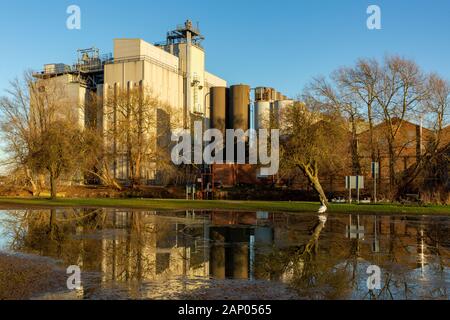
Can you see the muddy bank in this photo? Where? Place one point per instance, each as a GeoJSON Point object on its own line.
{"type": "Point", "coordinates": [23, 277]}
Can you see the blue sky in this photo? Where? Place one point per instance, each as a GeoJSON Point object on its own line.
{"type": "Point", "coordinates": [281, 43]}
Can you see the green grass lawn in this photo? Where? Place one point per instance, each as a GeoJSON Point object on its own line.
{"type": "Point", "coordinates": [273, 206]}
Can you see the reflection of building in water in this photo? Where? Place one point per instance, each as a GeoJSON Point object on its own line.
{"type": "Point", "coordinates": [128, 246]}
{"type": "Point", "coordinates": [230, 252]}
{"type": "Point", "coordinates": [234, 238]}
{"type": "Point", "coordinates": [154, 248]}
{"type": "Point", "coordinates": [161, 247]}
{"type": "Point", "coordinates": [403, 240]}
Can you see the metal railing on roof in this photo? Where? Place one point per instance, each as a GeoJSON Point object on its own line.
{"type": "Point", "coordinates": [190, 27]}
{"type": "Point", "coordinates": [95, 64]}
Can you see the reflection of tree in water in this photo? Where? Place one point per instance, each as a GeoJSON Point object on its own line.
{"type": "Point", "coordinates": [47, 232]}
{"type": "Point", "coordinates": [313, 274]}
{"type": "Point", "coordinates": [413, 265]}
{"type": "Point", "coordinates": [60, 234]}
{"type": "Point", "coordinates": [129, 246]}
{"type": "Point", "coordinates": [123, 246]}
{"type": "Point", "coordinates": [338, 269]}
{"type": "Point", "coordinates": [411, 260]}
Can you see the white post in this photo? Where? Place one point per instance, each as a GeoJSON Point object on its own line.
{"type": "Point", "coordinates": [350, 191]}
{"type": "Point", "coordinates": [375, 170]}
{"type": "Point", "coordinates": [357, 197]}
{"type": "Point", "coordinates": [375, 188]}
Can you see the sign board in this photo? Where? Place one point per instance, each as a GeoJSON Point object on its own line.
{"type": "Point", "coordinates": [190, 190]}
{"type": "Point", "coordinates": [354, 182]}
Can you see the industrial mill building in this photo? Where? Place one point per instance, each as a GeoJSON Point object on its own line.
{"type": "Point", "coordinates": [174, 72]}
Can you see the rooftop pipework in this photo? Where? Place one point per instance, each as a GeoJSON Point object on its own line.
{"type": "Point", "coordinates": [182, 34]}
{"type": "Point", "coordinates": [90, 60]}
{"type": "Point", "coordinates": [88, 70]}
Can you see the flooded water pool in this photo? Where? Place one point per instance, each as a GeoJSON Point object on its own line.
{"type": "Point", "coordinates": [229, 255]}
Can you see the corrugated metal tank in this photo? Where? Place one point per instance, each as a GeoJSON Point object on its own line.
{"type": "Point", "coordinates": [219, 101]}
{"type": "Point", "coordinates": [259, 94]}
{"type": "Point", "coordinates": [239, 107]}
{"type": "Point", "coordinates": [273, 94]}
{"type": "Point", "coordinates": [262, 115]}
{"type": "Point", "coordinates": [264, 94]}
{"type": "Point", "coordinates": [275, 114]}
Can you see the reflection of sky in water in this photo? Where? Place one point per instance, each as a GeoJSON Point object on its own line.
{"type": "Point", "coordinates": [171, 248]}
{"type": "Point", "coordinates": [420, 282]}
{"type": "Point", "coordinates": [3, 233]}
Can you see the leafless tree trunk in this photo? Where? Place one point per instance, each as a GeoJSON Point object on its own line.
{"type": "Point", "coordinates": [138, 123]}
{"type": "Point", "coordinates": [398, 95]}
{"type": "Point", "coordinates": [311, 171]}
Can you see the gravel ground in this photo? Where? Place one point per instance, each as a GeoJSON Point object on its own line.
{"type": "Point", "coordinates": [23, 277]}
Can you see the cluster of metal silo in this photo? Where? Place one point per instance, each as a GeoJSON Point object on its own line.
{"type": "Point", "coordinates": [230, 107]}
{"type": "Point", "coordinates": [268, 105]}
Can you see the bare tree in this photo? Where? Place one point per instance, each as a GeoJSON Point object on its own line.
{"type": "Point", "coordinates": [41, 128]}
{"type": "Point", "coordinates": [139, 129]}
{"type": "Point", "coordinates": [436, 110]}
{"type": "Point", "coordinates": [342, 99]}
{"type": "Point", "coordinates": [388, 94]}
{"type": "Point", "coordinates": [102, 158]}
{"type": "Point", "coordinates": [399, 93]}
{"type": "Point", "coordinates": [361, 81]}
{"type": "Point", "coordinates": [17, 136]}
{"type": "Point", "coordinates": [62, 149]}
{"type": "Point", "coordinates": [434, 115]}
